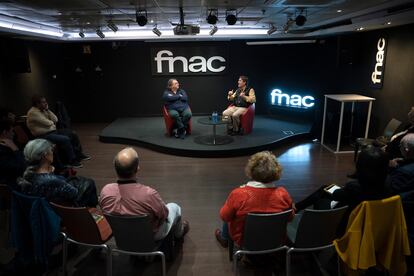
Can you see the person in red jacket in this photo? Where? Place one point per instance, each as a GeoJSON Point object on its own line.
{"type": "Point", "coordinates": [259, 195]}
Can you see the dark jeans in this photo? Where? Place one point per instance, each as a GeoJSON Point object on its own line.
{"type": "Point", "coordinates": [181, 118]}
{"type": "Point", "coordinates": [225, 231]}
{"type": "Point", "coordinates": [67, 141]}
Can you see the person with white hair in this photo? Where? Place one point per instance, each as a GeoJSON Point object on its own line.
{"type": "Point", "coordinates": [39, 178]}
{"type": "Point", "coordinates": [401, 177]}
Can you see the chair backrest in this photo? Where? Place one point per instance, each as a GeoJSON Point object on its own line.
{"type": "Point", "coordinates": [265, 231]}
{"type": "Point", "coordinates": [391, 127]}
{"type": "Point", "coordinates": [21, 136]}
{"type": "Point", "coordinates": [79, 224]}
{"type": "Point", "coordinates": [318, 227]}
{"type": "Point", "coordinates": [132, 233]}
{"type": "Point", "coordinates": [5, 196]}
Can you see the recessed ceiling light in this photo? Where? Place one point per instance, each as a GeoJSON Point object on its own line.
{"type": "Point", "coordinates": [338, 10]}
{"type": "Point", "coordinates": [360, 28]}
{"type": "Point", "coordinates": [152, 21]}
{"type": "Point", "coordinates": [389, 23]}
{"type": "Point", "coordinates": [87, 23]}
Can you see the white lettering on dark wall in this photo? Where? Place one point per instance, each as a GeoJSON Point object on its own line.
{"type": "Point", "coordinates": [195, 64]}
{"type": "Point", "coordinates": [376, 76]}
{"type": "Point", "coordinates": [279, 98]}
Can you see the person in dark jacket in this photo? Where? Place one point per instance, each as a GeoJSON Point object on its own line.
{"type": "Point", "coordinates": [371, 172]}
{"type": "Point", "coordinates": [176, 102]}
{"type": "Point", "coordinates": [12, 162]}
{"type": "Point", "coordinates": [401, 176]}
{"type": "Point", "coordinates": [393, 147]}
{"type": "Point", "coordinates": [39, 178]}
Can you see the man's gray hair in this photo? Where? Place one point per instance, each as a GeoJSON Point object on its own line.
{"type": "Point", "coordinates": [169, 83]}
{"type": "Point", "coordinates": [408, 142]}
{"type": "Point", "coordinates": [36, 149]}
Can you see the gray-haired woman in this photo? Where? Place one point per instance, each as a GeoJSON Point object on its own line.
{"type": "Point", "coordinates": [39, 178]}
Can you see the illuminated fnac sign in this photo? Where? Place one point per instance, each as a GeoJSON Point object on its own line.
{"type": "Point", "coordinates": [377, 75]}
{"type": "Point", "coordinates": [283, 99]}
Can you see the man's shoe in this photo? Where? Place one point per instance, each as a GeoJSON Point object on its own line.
{"type": "Point", "coordinates": [182, 135]}
{"type": "Point", "coordinates": [84, 157]}
{"type": "Point", "coordinates": [224, 243]}
{"type": "Point", "coordinates": [352, 175]}
{"type": "Point", "coordinates": [175, 133]}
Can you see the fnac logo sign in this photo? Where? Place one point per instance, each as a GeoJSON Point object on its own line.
{"type": "Point", "coordinates": [377, 75]}
{"type": "Point", "coordinates": [296, 101]}
{"type": "Point", "coordinates": [188, 61]}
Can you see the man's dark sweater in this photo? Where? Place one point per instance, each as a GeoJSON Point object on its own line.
{"type": "Point", "coordinates": [401, 179]}
{"type": "Point", "coordinates": [177, 101]}
{"type": "Point", "coordinates": [12, 165]}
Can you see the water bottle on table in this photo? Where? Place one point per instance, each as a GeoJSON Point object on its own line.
{"type": "Point", "coordinates": [214, 117]}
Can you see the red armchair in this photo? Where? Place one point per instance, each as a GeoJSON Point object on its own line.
{"type": "Point", "coordinates": [169, 123]}
{"type": "Point", "coordinates": [246, 119]}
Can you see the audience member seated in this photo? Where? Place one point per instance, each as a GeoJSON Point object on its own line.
{"type": "Point", "coordinates": [393, 147]}
{"type": "Point", "coordinates": [241, 99]}
{"type": "Point", "coordinates": [12, 162]}
{"type": "Point", "coordinates": [401, 176]}
{"type": "Point", "coordinates": [128, 197]}
{"type": "Point", "coordinates": [259, 195]}
{"type": "Point", "coordinates": [176, 102]}
{"type": "Point", "coordinates": [371, 172]}
{"type": "Point", "coordinates": [39, 178]}
{"type": "Point", "coordinates": [42, 123]}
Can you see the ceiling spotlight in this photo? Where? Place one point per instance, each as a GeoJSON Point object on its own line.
{"type": "Point", "coordinates": [111, 25]}
{"type": "Point", "coordinates": [156, 31]}
{"type": "Point", "coordinates": [212, 17]}
{"type": "Point", "coordinates": [389, 23]}
{"type": "Point", "coordinates": [100, 33]}
{"type": "Point", "coordinates": [300, 20]}
{"type": "Point", "coordinates": [231, 17]}
{"type": "Point", "coordinates": [272, 29]}
{"type": "Point", "coordinates": [141, 17]}
{"type": "Point", "coordinates": [81, 34]}
{"type": "Point", "coordinates": [360, 28]}
{"type": "Point", "coordinates": [213, 30]}
{"type": "Point", "coordinates": [338, 10]}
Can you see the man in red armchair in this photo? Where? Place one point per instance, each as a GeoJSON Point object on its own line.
{"type": "Point", "coordinates": [241, 99]}
{"type": "Point", "coordinates": [176, 102]}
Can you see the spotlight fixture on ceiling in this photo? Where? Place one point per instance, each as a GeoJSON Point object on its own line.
{"type": "Point", "coordinates": [141, 16]}
{"type": "Point", "coordinates": [213, 30]}
{"type": "Point", "coordinates": [111, 25]}
{"type": "Point", "coordinates": [272, 29]}
{"type": "Point", "coordinates": [81, 34]}
{"type": "Point", "coordinates": [156, 31]}
{"type": "Point", "coordinates": [100, 33]}
{"type": "Point", "coordinates": [212, 17]}
{"type": "Point", "coordinates": [231, 17]}
{"type": "Point", "coordinates": [300, 18]}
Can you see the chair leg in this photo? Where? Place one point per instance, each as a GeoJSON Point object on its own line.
{"type": "Point", "coordinates": [236, 264]}
{"type": "Point", "coordinates": [231, 250]}
{"type": "Point", "coordinates": [108, 260]}
{"type": "Point", "coordinates": [164, 270]}
{"type": "Point", "coordinates": [288, 256]}
{"type": "Point", "coordinates": [64, 254]}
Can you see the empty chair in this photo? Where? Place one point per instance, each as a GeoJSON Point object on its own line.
{"type": "Point", "coordinates": [376, 236]}
{"type": "Point", "coordinates": [134, 236]}
{"type": "Point", "coordinates": [86, 227]}
{"type": "Point", "coordinates": [389, 130]}
{"type": "Point", "coordinates": [263, 234]}
{"type": "Point", "coordinates": [313, 230]}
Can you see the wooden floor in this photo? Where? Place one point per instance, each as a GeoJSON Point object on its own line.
{"type": "Point", "coordinates": [200, 186]}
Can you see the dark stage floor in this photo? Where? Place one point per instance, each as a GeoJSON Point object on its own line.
{"type": "Point", "coordinates": [148, 132]}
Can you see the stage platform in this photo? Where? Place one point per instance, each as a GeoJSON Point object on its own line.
{"type": "Point", "coordinates": [148, 132]}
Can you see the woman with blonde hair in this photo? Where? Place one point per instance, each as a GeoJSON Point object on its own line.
{"type": "Point", "coordinates": [259, 195]}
